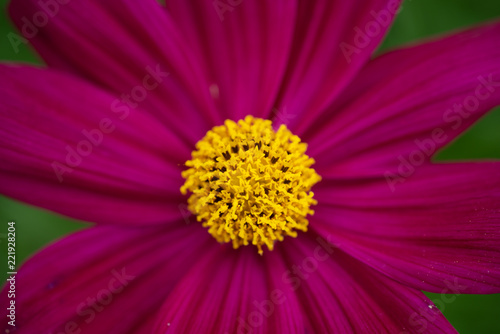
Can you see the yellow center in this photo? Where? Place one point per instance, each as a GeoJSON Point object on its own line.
{"type": "Point", "coordinates": [250, 184]}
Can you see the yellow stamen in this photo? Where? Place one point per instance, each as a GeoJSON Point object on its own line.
{"type": "Point", "coordinates": [250, 184]}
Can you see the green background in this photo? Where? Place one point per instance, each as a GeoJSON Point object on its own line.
{"type": "Point", "coordinates": [418, 19]}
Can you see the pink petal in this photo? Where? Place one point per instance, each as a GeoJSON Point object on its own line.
{"type": "Point", "coordinates": [103, 279]}
{"type": "Point", "coordinates": [244, 45]}
{"type": "Point", "coordinates": [333, 40]}
{"type": "Point", "coordinates": [117, 45]}
{"type": "Point", "coordinates": [233, 292]}
{"type": "Point", "coordinates": [438, 231]}
{"type": "Point", "coordinates": [402, 104]}
{"type": "Point", "coordinates": [64, 146]}
{"type": "Point", "coordinates": [342, 295]}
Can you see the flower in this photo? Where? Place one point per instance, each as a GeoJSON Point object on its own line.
{"type": "Point", "coordinates": [102, 135]}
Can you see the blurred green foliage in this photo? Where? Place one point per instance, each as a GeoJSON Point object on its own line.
{"type": "Point", "coordinates": [418, 19]}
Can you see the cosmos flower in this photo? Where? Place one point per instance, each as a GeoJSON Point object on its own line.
{"type": "Point", "coordinates": [309, 201]}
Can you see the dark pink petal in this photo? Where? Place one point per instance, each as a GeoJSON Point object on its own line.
{"type": "Point", "coordinates": [104, 279]}
{"type": "Point", "coordinates": [233, 292]}
{"type": "Point", "coordinates": [118, 45]}
{"type": "Point", "coordinates": [333, 40]}
{"type": "Point", "coordinates": [244, 45]}
{"type": "Point", "coordinates": [66, 148]}
{"type": "Point", "coordinates": [409, 103]}
{"type": "Point", "coordinates": [438, 231]}
{"type": "Point", "coordinates": [339, 294]}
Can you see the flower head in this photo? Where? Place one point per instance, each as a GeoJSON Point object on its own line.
{"type": "Point", "coordinates": [271, 122]}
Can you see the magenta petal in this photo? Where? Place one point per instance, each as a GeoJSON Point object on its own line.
{"type": "Point", "coordinates": [124, 47]}
{"type": "Point", "coordinates": [65, 148]}
{"type": "Point", "coordinates": [333, 40]}
{"type": "Point", "coordinates": [214, 292]}
{"type": "Point", "coordinates": [438, 231]}
{"type": "Point", "coordinates": [409, 103]}
{"type": "Point", "coordinates": [230, 292]}
{"type": "Point", "coordinates": [342, 295]}
{"type": "Point", "coordinates": [244, 45]}
{"type": "Point", "coordinates": [92, 278]}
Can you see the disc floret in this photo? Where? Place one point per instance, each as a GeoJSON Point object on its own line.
{"type": "Point", "coordinates": [250, 184]}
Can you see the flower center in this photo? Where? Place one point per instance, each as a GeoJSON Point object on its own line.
{"type": "Point", "coordinates": [250, 184]}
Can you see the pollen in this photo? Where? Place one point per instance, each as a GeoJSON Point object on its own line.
{"type": "Point", "coordinates": [250, 184]}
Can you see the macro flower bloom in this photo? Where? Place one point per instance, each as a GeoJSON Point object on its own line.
{"type": "Point", "coordinates": [309, 201]}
